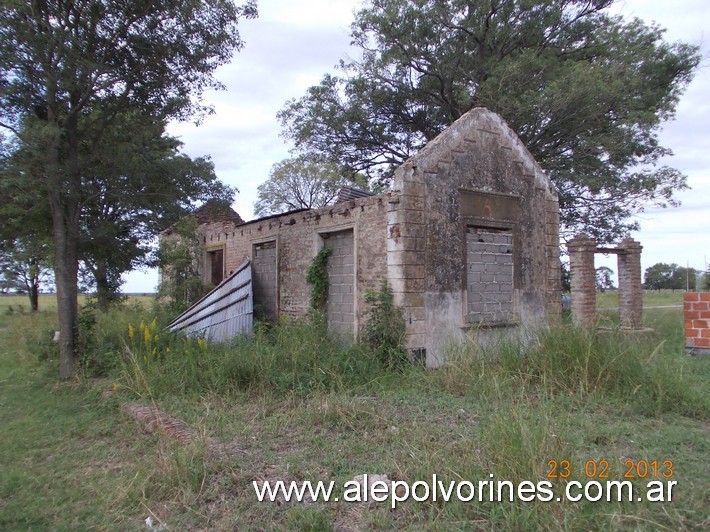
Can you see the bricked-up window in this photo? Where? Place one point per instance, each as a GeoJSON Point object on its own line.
{"type": "Point", "coordinates": [489, 275]}
{"type": "Point", "coordinates": [340, 307]}
{"type": "Point", "coordinates": [264, 279]}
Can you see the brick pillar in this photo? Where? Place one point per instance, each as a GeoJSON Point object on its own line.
{"type": "Point", "coordinates": [697, 322]}
{"type": "Point", "coordinates": [583, 279]}
{"type": "Point", "coordinates": [630, 290]}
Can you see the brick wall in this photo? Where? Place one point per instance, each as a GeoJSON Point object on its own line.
{"type": "Point", "coordinates": [696, 309]}
{"type": "Point", "coordinates": [630, 287]}
{"type": "Point", "coordinates": [477, 173]}
{"type": "Point", "coordinates": [264, 279]}
{"type": "Point", "coordinates": [489, 264]}
{"type": "Point", "coordinates": [583, 279]}
{"type": "Point", "coordinates": [340, 306]}
{"type": "Point", "coordinates": [297, 238]}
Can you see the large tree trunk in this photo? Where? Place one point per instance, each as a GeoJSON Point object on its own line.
{"type": "Point", "coordinates": [65, 206]}
{"type": "Point", "coordinates": [65, 272]}
{"type": "Point", "coordinates": [33, 294]}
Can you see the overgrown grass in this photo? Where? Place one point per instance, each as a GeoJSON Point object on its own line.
{"type": "Point", "coordinates": [578, 363]}
{"type": "Point", "coordinates": [290, 403]}
{"type": "Point", "coordinates": [295, 356]}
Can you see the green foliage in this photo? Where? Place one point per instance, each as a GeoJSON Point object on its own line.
{"type": "Point", "coordinates": [565, 278]}
{"type": "Point", "coordinates": [290, 357]}
{"type": "Point", "coordinates": [604, 279]}
{"type": "Point", "coordinates": [66, 89]}
{"type": "Point", "coordinates": [26, 266]}
{"type": "Point", "coordinates": [40, 342]}
{"type": "Point", "coordinates": [179, 257]}
{"type": "Point", "coordinates": [662, 276]}
{"type": "Point", "coordinates": [585, 91]}
{"type": "Point", "coordinates": [141, 184]}
{"type": "Point", "coordinates": [317, 277]}
{"type": "Point", "coordinates": [385, 329]}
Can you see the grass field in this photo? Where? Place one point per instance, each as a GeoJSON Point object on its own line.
{"type": "Point", "coordinates": [71, 460]}
{"type": "Point", "coordinates": [651, 298]}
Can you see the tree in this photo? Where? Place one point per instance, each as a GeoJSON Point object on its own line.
{"type": "Point", "coordinates": [179, 256]}
{"type": "Point", "coordinates": [586, 93]}
{"type": "Point", "coordinates": [604, 276]}
{"type": "Point", "coordinates": [138, 184]}
{"type": "Point", "coordinates": [61, 62]}
{"type": "Point", "coordinates": [662, 276]}
{"type": "Point", "coordinates": [309, 181]}
{"type": "Point", "coordinates": [683, 278]}
{"type": "Point", "coordinates": [657, 277]}
{"type": "Point", "coordinates": [565, 277]}
{"type": "Point", "coordinates": [26, 267]}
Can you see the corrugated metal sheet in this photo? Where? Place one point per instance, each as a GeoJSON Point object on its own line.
{"type": "Point", "coordinates": [225, 312]}
{"type": "Point", "coordinates": [351, 193]}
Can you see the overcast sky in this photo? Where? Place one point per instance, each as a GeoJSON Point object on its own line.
{"type": "Point", "coordinates": [293, 44]}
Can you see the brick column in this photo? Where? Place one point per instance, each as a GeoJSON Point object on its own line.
{"type": "Point", "coordinates": [630, 290]}
{"type": "Point", "coordinates": [583, 279]}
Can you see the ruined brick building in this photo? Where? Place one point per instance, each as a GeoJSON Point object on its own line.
{"type": "Point", "coordinates": [467, 238]}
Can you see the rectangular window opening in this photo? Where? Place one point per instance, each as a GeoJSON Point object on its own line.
{"type": "Point", "coordinates": [215, 264]}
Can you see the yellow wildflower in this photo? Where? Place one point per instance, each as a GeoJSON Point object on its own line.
{"type": "Point", "coordinates": [155, 352]}
{"type": "Point", "coordinates": [130, 331]}
{"type": "Point", "coordinates": [142, 326]}
{"type": "Point", "coordinates": [153, 324]}
{"type": "Point", "coordinates": [146, 335]}
{"type": "Point", "coordinates": [115, 386]}
{"type": "Point", "coordinates": [201, 343]}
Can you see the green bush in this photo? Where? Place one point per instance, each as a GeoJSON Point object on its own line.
{"type": "Point", "coordinates": [102, 337]}
{"type": "Point", "coordinates": [386, 328]}
{"type": "Point", "coordinates": [317, 277]}
{"type": "Point", "coordinates": [40, 342]}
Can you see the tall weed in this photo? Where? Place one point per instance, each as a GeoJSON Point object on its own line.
{"type": "Point", "coordinates": [292, 356]}
{"type": "Point", "coordinates": [575, 361]}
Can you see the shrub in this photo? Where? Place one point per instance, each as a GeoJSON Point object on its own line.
{"type": "Point", "coordinates": [386, 328]}
{"type": "Point", "coordinates": [317, 277]}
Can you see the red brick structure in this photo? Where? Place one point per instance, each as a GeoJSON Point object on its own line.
{"type": "Point", "coordinates": [583, 280]}
{"type": "Point", "coordinates": [696, 309]}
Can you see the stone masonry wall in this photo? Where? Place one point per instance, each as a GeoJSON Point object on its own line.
{"type": "Point", "coordinates": [298, 239]}
{"type": "Point", "coordinates": [477, 173]}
